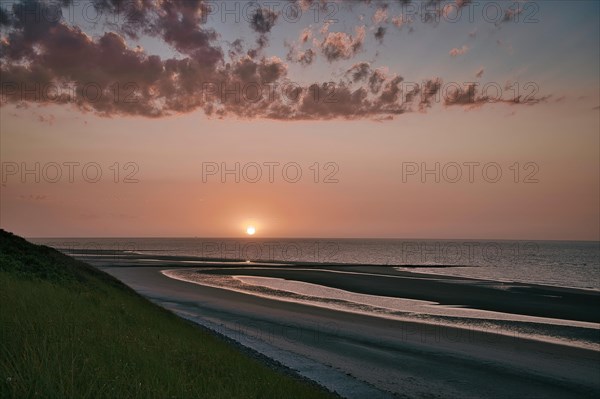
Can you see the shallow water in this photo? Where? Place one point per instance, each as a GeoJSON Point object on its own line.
{"type": "Point", "coordinates": [560, 263]}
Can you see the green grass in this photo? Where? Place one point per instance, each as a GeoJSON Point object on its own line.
{"type": "Point", "coordinates": [68, 330]}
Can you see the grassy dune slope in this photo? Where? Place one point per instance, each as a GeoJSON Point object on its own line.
{"type": "Point", "coordinates": [68, 330]}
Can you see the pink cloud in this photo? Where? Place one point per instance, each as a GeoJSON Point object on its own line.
{"type": "Point", "coordinates": [455, 52]}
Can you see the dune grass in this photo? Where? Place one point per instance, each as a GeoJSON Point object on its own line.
{"type": "Point", "coordinates": [68, 330]}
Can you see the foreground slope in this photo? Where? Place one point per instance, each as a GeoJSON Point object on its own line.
{"type": "Point", "coordinates": [69, 330]}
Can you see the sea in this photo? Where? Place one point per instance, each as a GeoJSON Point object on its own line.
{"type": "Point", "coordinates": [573, 264]}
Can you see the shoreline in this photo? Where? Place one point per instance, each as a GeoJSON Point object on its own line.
{"type": "Point", "coordinates": [516, 298]}
{"type": "Point", "coordinates": [582, 334]}
{"type": "Point", "coordinates": [139, 258]}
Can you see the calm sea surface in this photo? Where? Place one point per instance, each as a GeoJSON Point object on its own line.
{"type": "Point", "coordinates": [561, 263]}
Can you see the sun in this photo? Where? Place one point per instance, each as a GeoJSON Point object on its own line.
{"type": "Point", "coordinates": [250, 230]}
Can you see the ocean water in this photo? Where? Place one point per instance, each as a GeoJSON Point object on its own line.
{"type": "Point", "coordinates": [559, 263]}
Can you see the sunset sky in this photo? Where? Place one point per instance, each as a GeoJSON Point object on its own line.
{"type": "Point", "coordinates": [156, 94]}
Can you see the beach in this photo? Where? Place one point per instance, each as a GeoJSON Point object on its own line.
{"type": "Point", "coordinates": [358, 354]}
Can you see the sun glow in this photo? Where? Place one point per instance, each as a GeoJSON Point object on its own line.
{"type": "Point", "coordinates": [250, 230]}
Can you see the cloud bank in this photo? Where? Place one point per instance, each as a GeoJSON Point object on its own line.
{"type": "Point", "coordinates": [47, 61]}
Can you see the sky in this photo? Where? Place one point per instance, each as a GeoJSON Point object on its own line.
{"type": "Point", "coordinates": [401, 119]}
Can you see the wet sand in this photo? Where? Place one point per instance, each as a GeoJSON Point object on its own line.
{"type": "Point", "coordinates": [525, 299]}
{"type": "Point", "coordinates": [380, 357]}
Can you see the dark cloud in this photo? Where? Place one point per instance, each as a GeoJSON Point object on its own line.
{"type": "Point", "coordinates": [358, 71]}
{"type": "Point", "coordinates": [391, 91]}
{"type": "Point", "coordinates": [236, 48]}
{"type": "Point", "coordinates": [380, 33]}
{"type": "Point", "coordinates": [263, 20]}
{"type": "Point", "coordinates": [135, 16]}
{"type": "Point", "coordinates": [181, 26]}
{"type": "Point", "coordinates": [271, 70]}
{"type": "Point", "coordinates": [470, 97]}
{"type": "Point", "coordinates": [306, 57]}
{"type": "Point", "coordinates": [376, 81]}
{"type": "Point", "coordinates": [464, 96]}
{"type": "Point", "coordinates": [526, 100]}
{"type": "Point", "coordinates": [428, 92]}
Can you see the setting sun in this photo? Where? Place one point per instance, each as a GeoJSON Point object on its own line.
{"type": "Point", "coordinates": [250, 230]}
